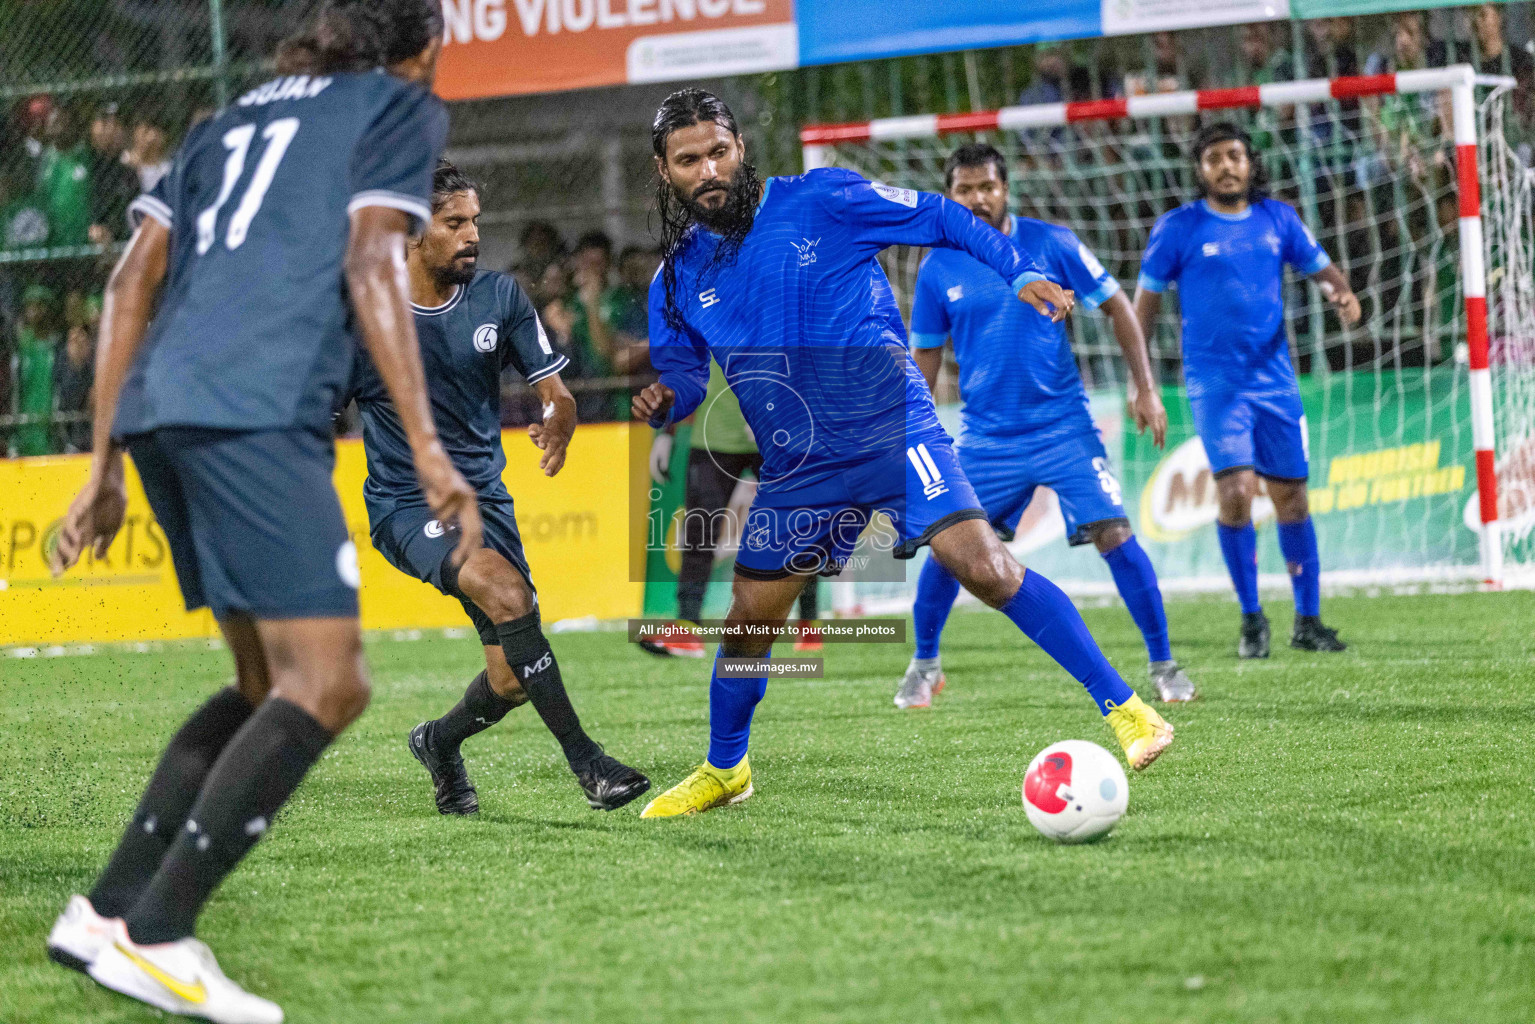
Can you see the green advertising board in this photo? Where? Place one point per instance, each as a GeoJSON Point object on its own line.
{"type": "Point", "coordinates": [1392, 472]}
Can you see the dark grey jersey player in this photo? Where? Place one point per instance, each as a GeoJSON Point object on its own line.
{"type": "Point", "coordinates": [474, 324]}
{"type": "Point", "coordinates": [273, 246]}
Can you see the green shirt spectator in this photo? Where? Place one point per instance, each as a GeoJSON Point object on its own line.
{"type": "Point", "coordinates": [66, 188]}
{"type": "Point", "coordinates": [36, 345]}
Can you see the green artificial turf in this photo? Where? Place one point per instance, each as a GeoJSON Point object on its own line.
{"type": "Point", "coordinates": [1331, 838]}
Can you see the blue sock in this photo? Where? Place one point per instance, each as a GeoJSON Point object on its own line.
{"type": "Point", "coordinates": [1137, 583]}
{"type": "Point", "coordinates": [1298, 542]}
{"type": "Point", "coordinates": [1049, 618]}
{"type": "Point", "coordinates": [1240, 546]}
{"type": "Point", "coordinates": [731, 703]}
{"type": "Point", "coordinates": [936, 591]}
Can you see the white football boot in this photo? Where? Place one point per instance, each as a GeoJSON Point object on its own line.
{"type": "Point", "coordinates": [178, 977]}
{"type": "Point", "coordinates": [922, 680]}
{"type": "Point", "coordinates": [79, 935]}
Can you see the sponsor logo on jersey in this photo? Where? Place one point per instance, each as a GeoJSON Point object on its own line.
{"type": "Point", "coordinates": [1211, 249]}
{"type": "Point", "coordinates": [806, 250]}
{"type": "Point", "coordinates": [901, 196]}
{"type": "Point", "coordinates": [434, 529]}
{"type": "Point", "coordinates": [485, 338]}
{"type": "Point", "coordinates": [956, 293]}
{"type": "Point", "coordinates": [927, 471]}
{"type": "Point", "coordinates": [708, 298]}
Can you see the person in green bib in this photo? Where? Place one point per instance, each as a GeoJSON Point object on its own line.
{"type": "Point", "coordinates": [37, 341]}
{"type": "Point", "coordinates": [723, 451]}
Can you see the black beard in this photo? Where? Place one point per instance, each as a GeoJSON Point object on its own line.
{"type": "Point", "coordinates": [738, 209]}
{"type": "Point", "coordinates": [1229, 197]}
{"type": "Point", "coordinates": [451, 274]}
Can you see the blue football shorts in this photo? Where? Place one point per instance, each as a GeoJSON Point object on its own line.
{"type": "Point", "coordinates": [1263, 432]}
{"type": "Point", "coordinates": [809, 523]}
{"type": "Point", "coordinates": [1075, 467]}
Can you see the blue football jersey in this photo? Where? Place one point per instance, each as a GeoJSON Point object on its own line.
{"type": "Point", "coordinates": [803, 320]}
{"type": "Point", "coordinates": [1017, 374]}
{"type": "Point", "coordinates": [254, 329]}
{"type": "Point", "coordinates": [1230, 276]}
{"type": "Point", "coordinates": [466, 343]}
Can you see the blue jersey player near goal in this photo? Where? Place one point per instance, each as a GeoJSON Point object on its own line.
{"type": "Point", "coordinates": [272, 247]}
{"type": "Point", "coordinates": [473, 325]}
{"type": "Point", "coordinates": [778, 282]}
{"type": "Point", "coordinates": [1226, 252]}
{"type": "Point", "coordinates": [1026, 421]}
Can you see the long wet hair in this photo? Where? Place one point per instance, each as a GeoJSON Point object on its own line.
{"type": "Point", "coordinates": [1226, 131]}
{"type": "Point", "coordinates": [447, 182]}
{"type": "Point", "coordinates": [683, 109]}
{"type": "Point", "coordinates": [360, 35]}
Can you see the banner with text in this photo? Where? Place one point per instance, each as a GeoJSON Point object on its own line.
{"type": "Point", "coordinates": [508, 47]}
{"type": "Point", "coordinates": [576, 528]}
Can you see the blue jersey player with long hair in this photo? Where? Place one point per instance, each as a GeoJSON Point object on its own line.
{"type": "Point", "coordinates": [1226, 252]}
{"type": "Point", "coordinates": [779, 283]}
{"type": "Point", "coordinates": [275, 244]}
{"type": "Point", "coordinates": [1026, 422]}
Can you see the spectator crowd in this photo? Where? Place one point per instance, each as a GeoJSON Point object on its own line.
{"type": "Point", "coordinates": [69, 168]}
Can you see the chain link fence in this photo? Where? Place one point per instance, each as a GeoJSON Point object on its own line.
{"type": "Point", "coordinates": [95, 95]}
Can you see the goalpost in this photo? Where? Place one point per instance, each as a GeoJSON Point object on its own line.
{"type": "Point", "coordinates": [1417, 416]}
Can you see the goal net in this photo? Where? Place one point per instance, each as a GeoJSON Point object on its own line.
{"type": "Point", "coordinates": [1384, 170]}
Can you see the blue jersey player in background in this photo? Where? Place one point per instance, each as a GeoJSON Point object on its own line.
{"type": "Point", "coordinates": [780, 283]}
{"type": "Point", "coordinates": [1227, 252]}
{"type": "Point", "coordinates": [1026, 421]}
{"type": "Point", "coordinates": [276, 239]}
{"type": "Point", "coordinates": [474, 324]}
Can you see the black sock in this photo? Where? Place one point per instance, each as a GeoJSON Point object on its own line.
{"type": "Point", "coordinates": [480, 709]}
{"type": "Point", "coordinates": [167, 799]}
{"type": "Point", "coordinates": [258, 771]}
{"type": "Point", "coordinates": [809, 599]}
{"type": "Point", "coordinates": [527, 652]}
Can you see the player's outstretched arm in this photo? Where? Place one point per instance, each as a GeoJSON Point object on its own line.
{"type": "Point", "coordinates": [882, 216]}
{"type": "Point", "coordinates": [553, 435]}
{"type": "Point", "coordinates": [96, 514]}
{"type": "Point", "coordinates": [375, 277]}
{"type": "Point", "coordinates": [1335, 287]}
{"type": "Point", "coordinates": [1146, 407]}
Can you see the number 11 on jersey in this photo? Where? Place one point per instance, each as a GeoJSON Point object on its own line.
{"type": "Point", "coordinates": [279, 136]}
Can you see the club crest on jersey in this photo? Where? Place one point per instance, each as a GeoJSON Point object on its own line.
{"type": "Point", "coordinates": [927, 471]}
{"type": "Point", "coordinates": [485, 338]}
{"type": "Point", "coordinates": [900, 196]}
{"type": "Point", "coordinates": [806, 250]}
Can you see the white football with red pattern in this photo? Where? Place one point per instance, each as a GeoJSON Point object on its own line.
{"type": "Point", "coordinates": [1075, 791]}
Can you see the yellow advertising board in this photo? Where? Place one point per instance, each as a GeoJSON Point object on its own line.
{"type": "Point", "coordinates": [576, 527]}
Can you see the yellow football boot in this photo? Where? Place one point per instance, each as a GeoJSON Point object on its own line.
{"type": "Point", "coordinates": [708, 787]}
{"type": "Point", "coordinates": [1140, 730]}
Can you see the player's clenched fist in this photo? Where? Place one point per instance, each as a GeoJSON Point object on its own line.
{"type": "Point", "coordinates": [1049, 298]}
{"type": "Point", "coordinates": [653, 401]}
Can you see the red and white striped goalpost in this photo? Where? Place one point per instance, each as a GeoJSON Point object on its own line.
{"type": "Point", "coordinates": [1459, 81]}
